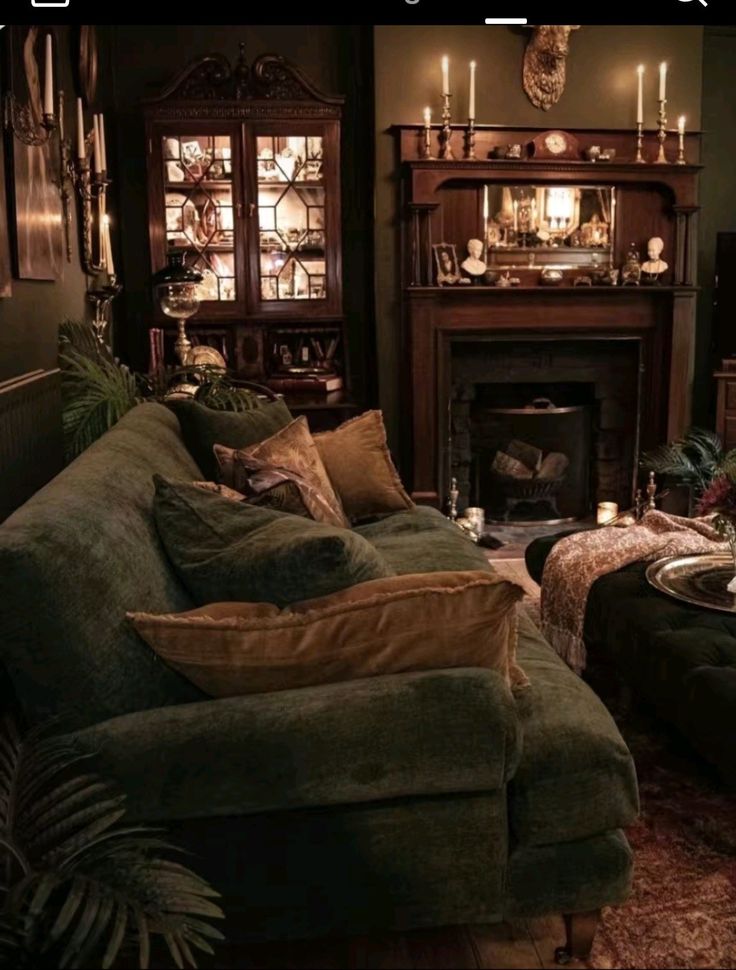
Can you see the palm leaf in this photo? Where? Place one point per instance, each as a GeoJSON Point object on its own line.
{"type": "Point", "coordinates": [96, 393]}
{"type": "Point", "coordinates": [693, 460]}
{"type": "Point", "coordinates": [80, 885]}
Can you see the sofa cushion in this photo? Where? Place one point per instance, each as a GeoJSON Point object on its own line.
{"type": "Point", "coordinates": [74, 559]}
{"type": "Point", "coordinates": [422, 540]}
{"type": "Point", "coordinates": [576, 777]}
{"type": "Point", "coordinates": [425, 621]}
{"type": "Point", "coordinates": [359, 464]}
{"type": "Point", "coordinates": [429, 733]}
{"type": "Point", "coordinates": [293, 449]}
{"type": "Point", "coordinates": [225, 550]}
{"type": "Point", "coordinates": [202, 428]}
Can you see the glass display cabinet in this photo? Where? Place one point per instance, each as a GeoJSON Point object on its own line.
{"type": "Point", "coordinates": [244, 182]}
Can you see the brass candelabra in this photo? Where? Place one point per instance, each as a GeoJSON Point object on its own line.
{"type": "Point", "coordinates": [427, 146]}
{"type": "Point", "coordinates": [446, 147]}
{"type": "Point", "coordinates": [470, 139]}
{"type": "Point", "coordinates": [681, 160]}
{"type": "Point", "coordinates": [639, 142]}
{"type": "Point", "coordinates": [662, 131]}
{"type": "Point", "coordinates": [20, 119]}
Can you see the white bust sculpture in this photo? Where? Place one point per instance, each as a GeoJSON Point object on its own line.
{"type": "Point", "coordinates": [654, 265]}
{"type": "Point", "coordinates": [474, 265]}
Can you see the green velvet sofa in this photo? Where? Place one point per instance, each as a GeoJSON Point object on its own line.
{"type": "Point", "coordinates": [388, 803]}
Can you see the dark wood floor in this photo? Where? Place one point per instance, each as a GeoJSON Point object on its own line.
{"type": "Point", "coordinates": [526, 944]}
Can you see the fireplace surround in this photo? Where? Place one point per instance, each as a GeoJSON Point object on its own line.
{"type": "Point", "coordinates": [444, 205]}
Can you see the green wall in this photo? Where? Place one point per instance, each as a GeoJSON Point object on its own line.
{"type": "Point", "coordinates": [717, 195]}
{"type": "Point", "coordinates": [600, 93]}
{"type": "Point", "coordinates": [29, 318]}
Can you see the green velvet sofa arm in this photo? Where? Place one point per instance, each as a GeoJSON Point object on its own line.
{"type": "Point", "coordinates": [388, 737]}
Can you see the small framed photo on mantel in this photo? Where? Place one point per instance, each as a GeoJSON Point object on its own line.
{"type": "Point", "coordinates": [445, 258]}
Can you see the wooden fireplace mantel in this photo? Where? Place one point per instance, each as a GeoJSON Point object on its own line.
{"type": "Point", "coordinates": [442, 200]}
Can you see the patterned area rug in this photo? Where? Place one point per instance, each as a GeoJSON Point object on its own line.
{"type": "Point", "coordinates": [682, 910]}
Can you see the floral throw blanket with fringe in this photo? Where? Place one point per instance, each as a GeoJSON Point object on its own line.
{"type": "Point", "coordinates": [578, 560]}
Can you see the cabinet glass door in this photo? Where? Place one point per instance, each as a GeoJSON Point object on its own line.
{"type": "Point", "coordinates": [292, 233]}
{"type": "Point", "coordinates": [199, 208]}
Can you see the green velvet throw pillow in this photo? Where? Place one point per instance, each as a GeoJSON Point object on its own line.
{"type": "Point", "coordinates": [202, 428]}
{"type": "Point", "coordinates": [224, 550]}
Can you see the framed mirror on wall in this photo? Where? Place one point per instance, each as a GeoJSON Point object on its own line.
{"type": "Point", "coordinates": [560, 225]}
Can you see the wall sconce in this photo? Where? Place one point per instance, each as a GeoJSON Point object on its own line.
{"type": "Point", "coordinates": [20, 118]}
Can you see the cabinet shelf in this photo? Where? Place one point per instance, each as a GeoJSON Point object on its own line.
{"type": "Point", "coordinates": [203, 184]}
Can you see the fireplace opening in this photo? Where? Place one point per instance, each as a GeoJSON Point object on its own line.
{"type": "Point", "coordinates": [541, 430]}
{"type": "Point", "coordinates": [531, 453]}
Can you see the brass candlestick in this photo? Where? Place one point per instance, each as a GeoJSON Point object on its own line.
{"type": "Point", "coordinates": [639, 142]}
{"type": "Point", "coordinates": [681, 160]}
{"type": "Point", "coordinates": [446, 147]}
{"type": "Point", "coordinates": [470, 139]}
{"type": "Point", "coordinates": [427, 150]}
{"type": "Point", "coordinates": [662, 132]}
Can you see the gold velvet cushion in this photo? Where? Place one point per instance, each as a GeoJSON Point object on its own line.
{"type": "Point", "coordinates": [423, 621]}
{"type": "Point", "coordinates": [359, 464]}
{"type": "Point", "coordinates": [293, 453]}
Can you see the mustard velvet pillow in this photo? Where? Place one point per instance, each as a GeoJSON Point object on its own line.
{"type": "Point", "coordinates": [292, 449]}
{"type": "Point", "coordinates": [359, 464]}
{"type": "Point", "coordinates": [424, 621]}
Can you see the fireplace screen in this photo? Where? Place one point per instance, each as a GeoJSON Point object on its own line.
{"type": "Point", "coordinates": [532, 463]}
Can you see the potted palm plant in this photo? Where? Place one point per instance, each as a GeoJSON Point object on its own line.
{"type": "Point", "coordinates": [79, 887]}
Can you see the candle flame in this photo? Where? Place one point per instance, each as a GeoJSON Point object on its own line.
{"type": "Point", "coordinates": [445, 61]}
{"type": "Point", "coordinates": [472, 65]}
{"type": "Point", "coordinates": [640, 69]}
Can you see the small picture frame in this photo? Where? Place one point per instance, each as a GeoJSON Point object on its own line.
{"type": "Point", "coordinates": [445, 258]}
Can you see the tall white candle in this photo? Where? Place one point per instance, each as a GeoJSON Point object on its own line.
{"type": "Point", "coordinates": [96, 145]}
{"type": "Point", "coordinates": [516, 215]}
{"type": "Point", "coordinates": [48, 86]}
{"type": "Point", "coordinates": [108, 248]}
{"type": "Point", "coordinates": [471, 98]}
{"type": "Point", "coordinates": [640, 96]}
{"type": "Point", "coordinates": [485, 202]}
{"type": "Point", "coordinates": [681, 124]}
{"type": "Point", "coordinates": [81, 149]}
{"type": "Point", "coordinates": [427, 117]}
{"type": "Point", "coordinates": [103, 146]}
{"type": "Point", "coordinates": [445, 74]}
{"type": "Point", "coordinates": [663, 81]}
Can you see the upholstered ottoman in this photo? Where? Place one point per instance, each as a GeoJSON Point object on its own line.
{"type": "Point", "coordinates": [681, 659]}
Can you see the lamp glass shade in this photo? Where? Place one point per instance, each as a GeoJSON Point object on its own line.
{"type": "Point", "coordinates": [177, 288]}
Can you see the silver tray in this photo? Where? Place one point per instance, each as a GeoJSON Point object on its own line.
{"type": "Point", "coordinates": [700, 580]}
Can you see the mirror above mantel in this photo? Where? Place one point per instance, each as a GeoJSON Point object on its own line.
{"type": "Point", "coordinates": [565, 226]}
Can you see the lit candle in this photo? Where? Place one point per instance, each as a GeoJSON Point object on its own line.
{"type": "Point", "coordinates": [662, 80]}
{"type": "Point", "coordinates": [640, 98]}
{"type": "Point", "coordinates": [103, 146]}
{"type": "Point", "coordinates": [81, 150]}
{"type": "Point", "coordinates": [445, 74]}
{"type": "Point", "coordinates": [96, 145]}
{"type": "Point", "coordinates": [681, 124]}
{"type": "Point", "coordinates": [108, 247]}
{"type": "Point", "coordinates": [48, 88]}
{"type": "Point", "coordinates": [485, 203]}
{"type": "Point", "coordinates": [471, 99]}
{"type": "Point", "coordinates": [606, 513]}
{"type": "Point", "coordinates": [516, 215]}
{"type": "Point", "coordinates": [427, 117]}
